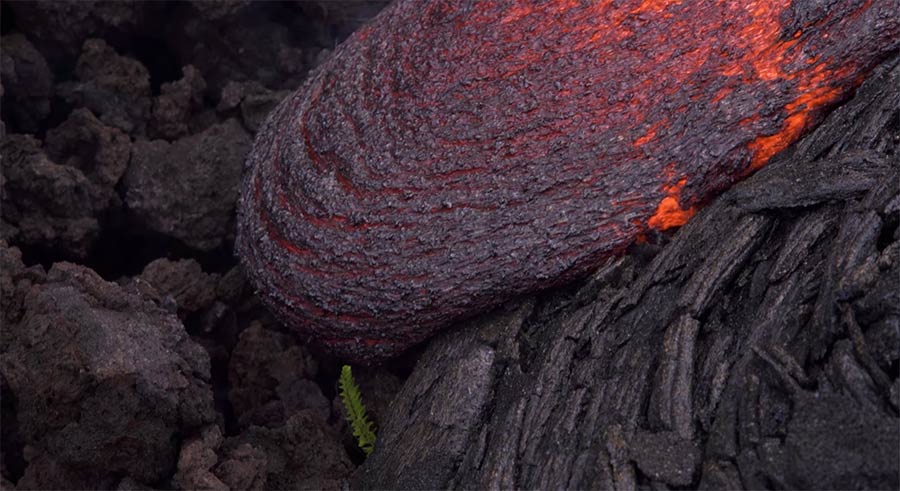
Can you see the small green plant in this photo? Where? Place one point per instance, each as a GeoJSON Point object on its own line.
{"type": "Point", "coordinates": [363, 429]}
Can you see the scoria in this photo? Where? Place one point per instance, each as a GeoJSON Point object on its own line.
{"type": "Point", "coordinates": [453, 154]}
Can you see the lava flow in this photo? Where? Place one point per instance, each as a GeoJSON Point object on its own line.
{"type": "Point", "coordinates": [454, 154]}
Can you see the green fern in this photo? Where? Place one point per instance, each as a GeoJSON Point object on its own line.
{"type": "Point", "coordinates": [363, 429]}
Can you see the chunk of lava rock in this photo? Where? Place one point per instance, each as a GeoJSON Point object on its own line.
{"type": "Point", "coordinates": [835, 443]}
{"type": "Point", "coordinates": [54, 199]}
{"type": "Point", "coordinates": [61, 26]}
{"type": "Point", "coordinates": [255, 101]}
{"type": "Point", "coordinates": [27, 80]}
{"type": "Point", "coordinates": [272, 377]}
{"type": "Point", "coordinates": [305, 453]}
{"type": "Point", "coordinates": [100, 152]}
{"type": "Point", "coordinates": [241, 41]}
{"type": "Point", "coordinates": [116, 88]}
{"type": "Point", "coordinates": [441, 163]}
{"type": "Point", "coordinates": [202, 465]}
{"type": "Point", "coordinates": [188, 189]}
{"type": "Point", "coordinates": [179, 100]}
{"type": "Point", "coordinates": [15, 281]}
{"type": "Point", "coordinates": [104, 380]}
{"type": "Point", "coordinates": [197, 456]}
{"type": "Point", "coordinates": [44, 203]}
{"type": "Point", "coordinates": [184, 281]}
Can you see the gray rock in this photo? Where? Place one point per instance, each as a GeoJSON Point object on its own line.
{"type": "Point", "coordinates": [53, 200]}
{"type": "Point", "coordinates": [100, 152]}
{"type": "Point", "coordinates": [173, 108]}
{"type": "Point", "coordinates": [204, 464]}
{"type": "Point", "coordinates": [243, 466]}
{"type": "Point", "coordinates": [184, 280]}
{"type": "Point", "coordinates": [44, 203]}
{"type": "Point", "coordinates": [665, 456]}
{"type": "Point", "coordinates": [114, 87]}
{"type": "Point", "coordinates": [835, 443]}
{"type": "Point", "coordinates": [198, 456]}
{"type": "Point", "coordinates": [60, 27]}
{"type": "Point", "coordinates": [104, 381]}
{"type": "Point", "coordinates": [305, 453]}
{"type": "Point", "coordinates": [27, 81]}
{"type": "Point", "coordinates": [15, 281]}
{"type": "Point", "coordinates": [254, 101]}
{"type": "Point", "coordinates": [271, 378]}
{"type": "Point", "coordinates": [188, 189]}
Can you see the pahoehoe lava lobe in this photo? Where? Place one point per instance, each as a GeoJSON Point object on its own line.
{"type": "Point", "coordinates": [453, 154]}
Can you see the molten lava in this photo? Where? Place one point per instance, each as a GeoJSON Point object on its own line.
{"type": "Point", "coordinates": [453, 154]}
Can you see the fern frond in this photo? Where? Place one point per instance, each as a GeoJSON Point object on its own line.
{"type": "Point", "coordinates": [363, 429]}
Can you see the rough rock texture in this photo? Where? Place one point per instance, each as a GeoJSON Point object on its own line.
{"type": "Point", "coordinates": [184, 282]}
{"type": "Point", "coordinates": [756, 350]}
{"type": "Point", "coordinates": [453, 155]}
{"type": "Point", "coordinates": [103, 379]}
{"type": "Point", "coordinates": [187, 189]}
{"type": "Point", "coordinates": [278, 439]}
{"type": "Point", "coordinates": [254, 101]}
{"type": "Point", "coordinates": [198, 456]}
{"type": "Point", "coordinates": [243, 467]}
{"type": "Point", "coordinates": [62, 26]}
{"type": "Point", "coordinates": [304, 453]}
{"type": "Point", "coordinates": [27, 82]}
{"type": "Point", "coordinates": [129, 385]}
{"type": "Point", "coordinates": [173, 108]}
{"type": "Point", "coordinates": [54, 199]}
{"type": "Point", "coordinates": [201, 467]}
{"type": "Point", "coordinates": [272, 378]}
{"type": "Point", "coordinates": [44, 203]}
{"type": "Point", "coordinates": [239, 44]}
{"type": "Point", "coordinates": [115, 88]}
{"type": "Point", "coordinates": [100, 152]}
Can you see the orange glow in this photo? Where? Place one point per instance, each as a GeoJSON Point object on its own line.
{"type": "Point", "coordinates": [669, 212]}
{"type": "Point", "coordinates": [654, 6]}
{"type": "Point", "coordinates": [769, 61]}
{"type": "Point", "coordinates": [765, 147]}
{"type": "Point", "coordinates": [650, 135]}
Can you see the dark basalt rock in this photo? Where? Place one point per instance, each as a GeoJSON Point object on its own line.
{"type": "Point", "coordinates": [27, 82]}
{"type": "Point", "coordinates": [451, 156]}
{"type": "Point", "coordinates": [104, 380]}
{"type": "Point", "coordinates": [187, 189]}
{"type": "Point", "coordinates": [116, 88]}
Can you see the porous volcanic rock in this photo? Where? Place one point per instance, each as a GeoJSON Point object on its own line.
{"type": "Point", "coordinates": [99, 151]}
{"type": "Point", "coordinates": [184, 281]}
{"type": "Point", "coordinates": [178, 101]}
{"type": "Point", "coordinates": [240, 41]}
{"type": "Point", "coordinates": [254, 101]}
{"type": "Point", "coordinates": [187, 189]}
{"type": "Point", "coordinates": [60, 27]}
{"type": "Point", "coordinates": [54, 197]}
{"type": "Point", "coordinates": [204, 464]}
{"type": "Point", "coordinates": [116, 88]}
{"type": "Point", "coordinates": [304, 453]}
{"type": "Point", "coordinates": [27, 82]}
{"type": "Point", "coordinates": [43, 203]}
{"type": "Point", "coordinates": [104, 381]}
{"type": "Point", "coordinates": [243, 466]}
{"type": "Point", "coordinates": [272, 377]}
{"type": "Point", "coordinates": [15, 281]}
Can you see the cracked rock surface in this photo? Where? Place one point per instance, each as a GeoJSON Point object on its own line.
{"type": "Point", "coordinates": [751, 352]}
